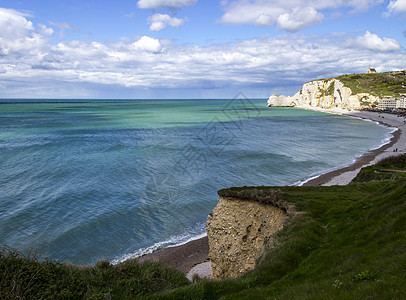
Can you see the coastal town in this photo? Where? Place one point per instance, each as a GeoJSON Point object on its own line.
{"type": "Point", "coordinates": [392, 103]}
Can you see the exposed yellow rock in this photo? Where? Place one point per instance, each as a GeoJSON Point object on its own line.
{"type": "Point", "coordinates": [238, 231]}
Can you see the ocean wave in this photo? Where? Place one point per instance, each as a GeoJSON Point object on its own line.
{"type": "Point", "coordinates": [171, 242]}
{"type": "Point", "coordinates": [385, 140]}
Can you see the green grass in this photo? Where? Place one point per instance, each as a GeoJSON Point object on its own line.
{"type": "Point", "coordinates": [350, 244]}
{"type": "Point", "coordinates": [378, 84]}
{"type": "Point", "coordinates": [381, 170]}
{"type": "Point", "coordinates": [23, 277]}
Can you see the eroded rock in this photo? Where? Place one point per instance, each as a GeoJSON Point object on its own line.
{"type": "Point", "coordinates": [238, 231]}
{"type": "Point", "coordinates": [326, 93]}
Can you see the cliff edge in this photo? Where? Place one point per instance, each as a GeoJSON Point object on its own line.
{"type": "Point", "coordinates": [326, 93]}
{"type": "Point", "coordinates": [238, 231]}
{"type": "Point", "coordinates": [354, 91]}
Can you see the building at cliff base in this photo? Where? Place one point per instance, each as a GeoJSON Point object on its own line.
{"type": "Point", "coordinates": [392, 103]}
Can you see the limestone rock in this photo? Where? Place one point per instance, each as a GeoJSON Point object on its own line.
{"type": "Point", "coordinates": [326, 93]}
{"type": "Point", "coordinates": [238, 231]}
{"type": "Point", "coordinates": [282, 101]}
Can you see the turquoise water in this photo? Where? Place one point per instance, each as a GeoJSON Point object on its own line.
{"type": "Point", "coordinates": [83, 180]}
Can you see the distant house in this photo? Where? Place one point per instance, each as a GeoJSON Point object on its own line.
{"type": "Point", "coordinates": [371, 70]}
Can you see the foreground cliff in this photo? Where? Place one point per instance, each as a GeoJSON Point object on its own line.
{"type": "Point", "coordinates": [242, 226]}
{"type": "Point", "coordinates": [350, 244]}
{"type": "Point", "coordinates": [238, 231]}
{"type": "Point", "coordinates": [355, 91]}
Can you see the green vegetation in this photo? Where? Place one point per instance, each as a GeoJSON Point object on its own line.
{"type": "Point", "coordinates": [28, 278]}
{"type": "Point", "coordinates": [378, 84]}
{"type": "Point", "coordinates": [389, 168]}
{"type": "Point", "coordinates": [330, 89]}
{"type": "Point", "coordinates": [350, 244]}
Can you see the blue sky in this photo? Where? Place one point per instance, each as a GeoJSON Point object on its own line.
{"type": "Point", "coordinates": [191, 48]}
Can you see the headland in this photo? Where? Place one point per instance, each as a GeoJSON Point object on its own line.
{"type": "Point", "coordinates": [195, 254]}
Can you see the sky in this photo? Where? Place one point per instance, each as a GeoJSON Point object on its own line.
{"type": "Point", "coordinates": [158, 49]}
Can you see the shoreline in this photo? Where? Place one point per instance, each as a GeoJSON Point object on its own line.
{"type": "Point", "coordinates": [195, 253]}
{"type": "Point", "coordinates": [346, 174]}
{"type": "Point", "coordinates": [183, 257]}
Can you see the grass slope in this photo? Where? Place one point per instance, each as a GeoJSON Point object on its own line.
{"type": "Point", "coordinates": [28, 278]}
{"type": "Point", "coordinates": [350, 244]}
{"type": "Point", "coordinates": [378, 84]}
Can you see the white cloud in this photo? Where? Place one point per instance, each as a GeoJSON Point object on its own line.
{"type": "Point", "coordinates": [299, 19]}
{"type": "Point", "coordinates": [256, 13]}
{"type": "Point", "coordinates": [397, 6]}
{"type": "Point", "coordinates": [18, 34]}
{"type": "Point", "coordinates": [153, 4]}
{"type": "Point", "coordinates": [372, 41]}
{"type": "Point", "coordinates": [160, 21]}
{"type": "Point", "coordinates": [290, 15]}
{"type": "Point", "coordinates": [147, 43]}
{"type": "Point", "coordinates": [153, 64]}
{"type": "Point", "coordinates": [46, 31]}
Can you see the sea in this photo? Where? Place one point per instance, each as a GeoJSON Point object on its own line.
{"type": "Point", "coordinates": [85, 180]}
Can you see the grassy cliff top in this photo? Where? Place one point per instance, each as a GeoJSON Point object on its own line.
{"type": "Point", "coordinates": [351, 244]}
{"type": "Point", "coordinates": [378, 84]}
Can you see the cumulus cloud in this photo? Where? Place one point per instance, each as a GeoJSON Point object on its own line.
{"type": "Point", "coordinates": [19, 34]}
{"type": "Point", "coordinates": [299, 19]}
{"type": "Point", "coordinates": [255, 12]}
{"type": "Point", "coordinates": [372, 41]}
{"type": "Point", "coordinates": [397, 6]}
{"type": "Point", "coordinates": [153, 4]}
{"type": "Point", "coordinates": [287, 15]}
{"type": "Point", "coordinates": [160, 21]}
{"type": "Point", "coordinates": [152, 64]}
{"type": "Point", "coordinates": [148, 44]}
{"type": "Point", "coordinates": [46, 31]}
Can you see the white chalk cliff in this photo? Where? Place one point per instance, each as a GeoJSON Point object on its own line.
{"type": "Point", "coordinates": [325, 93]}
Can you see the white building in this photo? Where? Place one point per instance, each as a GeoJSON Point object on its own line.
{"type": "Point", "coordinates": [401, 102]}
{"type": "Point", "coordinates": [371, 70]}
{"type": "Point", "coordinates": [392, 103]}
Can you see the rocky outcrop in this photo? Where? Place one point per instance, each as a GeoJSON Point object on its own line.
{"type": "Point", "coordinates": [238, 231]}
{"type": "Point", "coordinates": [282, 101]}
{"type": "Point", "coordinates": [326, 93]}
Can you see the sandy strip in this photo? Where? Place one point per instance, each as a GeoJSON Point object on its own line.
{"type": "Point", "coordinates": [193, 257]}
{"type": "Point", "coordinates": [183, 257]}
{"type": "Point", "coordinates": [203, 270]}
{"type": "Point", "coordinates": [345, 175]}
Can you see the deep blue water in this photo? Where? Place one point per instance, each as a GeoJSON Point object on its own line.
{"type": "Point", "coordinates": [83, 180]}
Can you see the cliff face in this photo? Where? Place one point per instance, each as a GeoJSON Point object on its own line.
{"type": "Point", "coordinates": [238, 231]}
{"type": "Point", "coordinates": [327, 93]}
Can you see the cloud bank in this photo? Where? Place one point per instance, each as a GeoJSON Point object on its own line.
{"type": "Point", "coordinates": [31, 65]}
{"type": "Point", "coordinates": [291, 15]}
